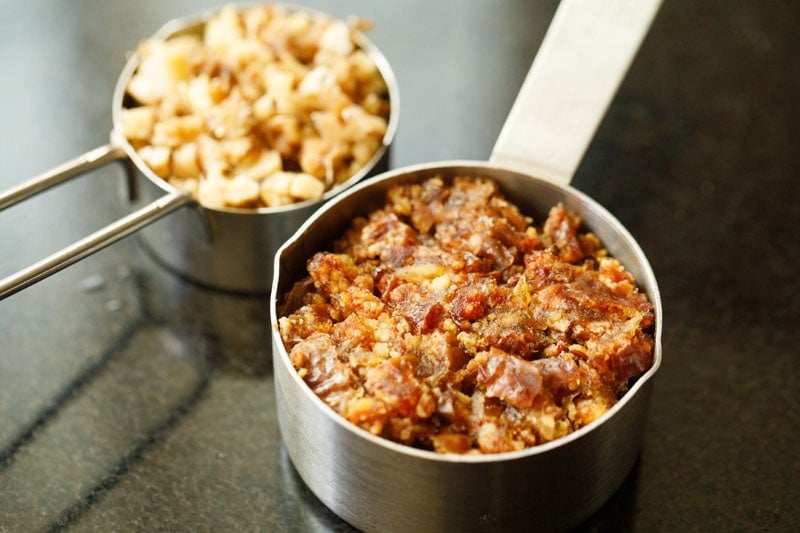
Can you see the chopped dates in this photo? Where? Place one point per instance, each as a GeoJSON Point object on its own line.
{"type": "Point", "coordinates": [448, 321]}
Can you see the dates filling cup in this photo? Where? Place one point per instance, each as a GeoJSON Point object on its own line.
{"type": "Point", "coordinates": [378, 485]}
{"type": "Point", "coordinates": [222, 248]}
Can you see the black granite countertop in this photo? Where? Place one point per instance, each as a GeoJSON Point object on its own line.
{"type": "Point", "coordinates": [133, 400]}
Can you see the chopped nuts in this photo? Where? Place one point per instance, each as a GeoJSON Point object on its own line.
{"type": "Point", "coordinates": [267, 107]}
{"type": "Point", "coordinates": [157, 158]}
{"type": "Point", "coordinates": [241, 191]}
{"type": "Point", "coordinates": [306, 187]}
{"type": "Point", "coordinates": [137, 122]}
{"type": "Point", "coordinates": [184, 162]}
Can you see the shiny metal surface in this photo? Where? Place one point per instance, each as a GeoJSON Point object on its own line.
{"type": "Point", "coordinates": [230, 249]}
{"type": "Point", "coordinates": [377, 485]}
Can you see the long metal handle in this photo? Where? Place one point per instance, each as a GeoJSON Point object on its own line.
{"type": "Point", "coordinates": [585, 54]}
{"type": "Point", "coordinates": [91, 244]}
{"type": "Point", "coordinates": [81, 164]}
{"type": "Point", "coordinates": [97, 240]}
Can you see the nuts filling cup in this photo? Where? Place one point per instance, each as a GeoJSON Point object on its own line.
{"type": "Point", "coordinates": [226, 248]}
{"type": "Point", "coordinates": [379, 485]}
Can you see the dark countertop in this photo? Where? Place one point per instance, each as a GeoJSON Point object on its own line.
{"type": "Point", "coordinates": [132, 400]}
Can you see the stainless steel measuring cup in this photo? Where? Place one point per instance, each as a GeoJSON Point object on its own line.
{"type": "Point", "coordinates": [224, 248]}
{"type": "Point", "coordinates": [379, 485]}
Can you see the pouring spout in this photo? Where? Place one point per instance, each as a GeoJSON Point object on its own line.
{"type": "Point", "coordinates": [582, 60]}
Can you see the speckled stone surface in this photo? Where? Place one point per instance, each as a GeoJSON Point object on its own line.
{"type": "Point", "coordinates": [132, 400]}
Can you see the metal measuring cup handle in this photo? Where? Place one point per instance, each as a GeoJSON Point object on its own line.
{"type": "Point", "coordinates": [94, 242]}
{"type": "Point", "coordinates": [580, 64]}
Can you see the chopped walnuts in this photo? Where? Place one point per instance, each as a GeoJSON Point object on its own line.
{"type": "Point", "coordinates": [267, 107]}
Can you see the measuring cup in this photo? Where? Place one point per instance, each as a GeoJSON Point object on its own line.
{"type": "Point", "coordinates": [223, 248]}
{"type": "Point", "coordinates": [379, 485]}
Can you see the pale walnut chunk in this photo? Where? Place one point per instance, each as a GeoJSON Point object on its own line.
{"type": "Point", "coordinates": [158, 158]}
{"type": "Point", "coordinates": [241, 191]}
{"type": "Point", "coordinates": [137, 123]}
{"type": "Point", "coordinates": [280, 83]}
{"type": "Point", "coordinates": [283, 134]}
{"type": "Point", "coordinates": [236, 149]}
{"type": "Point", "coordinates": [306, 187]}
{"type": "Point", "coordinates": [264, 164]}
{"type": "Point", "coordinates": [176, 131]}
{"type": "Point", "coordinates": [232, 117]}
{"type": "Point", "coordinates": [321, 158]}
{"type": "Point", "coordinates": [185, 162]}
{"type": "Point", "coordinates": [163, 65]}
{"type": "Point", "coordinates": [275, 189]}
{"type": "Point", "coordinates": [264, 107]}
{"type": "Point", "coordinates": [319, 89]}
{"type": "Point", "coordinates": [336, 39]}
{"type": "Point", "coordinates": [223, 29]}
{"type": "Point", "coordinates": [211, 192]}
{"type": "Point", "coordinates": [204, 92]}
